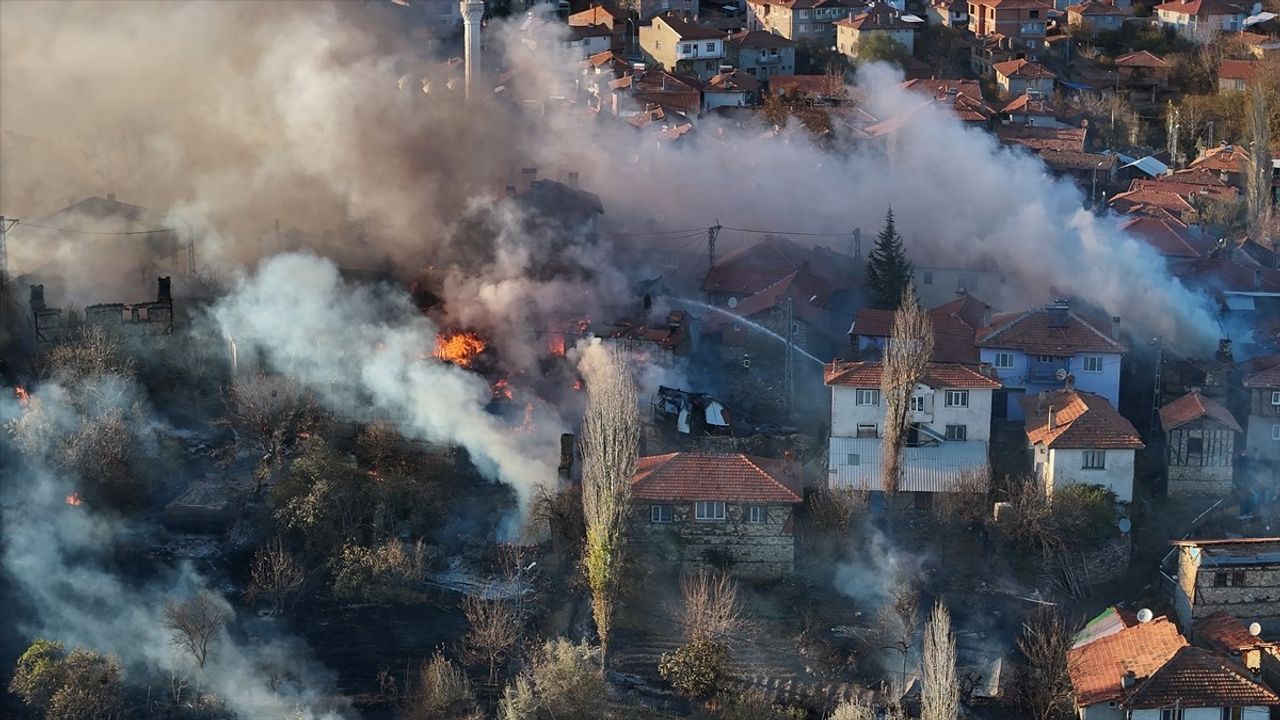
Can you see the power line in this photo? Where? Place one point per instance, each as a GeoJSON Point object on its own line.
{"type": "Point", "coordinates": [96, 232]}
{"type": "Point", "coordinates": [787, 232]}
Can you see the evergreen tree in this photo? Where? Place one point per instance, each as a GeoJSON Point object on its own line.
{"type": "Point", "coordinates": [888, 270]}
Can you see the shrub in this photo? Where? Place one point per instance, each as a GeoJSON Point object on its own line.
{"type": "Point", "coordinates": [695, 668]}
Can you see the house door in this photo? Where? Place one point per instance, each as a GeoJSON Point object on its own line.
{"type": "Point", "coordinates": [1000, 405]}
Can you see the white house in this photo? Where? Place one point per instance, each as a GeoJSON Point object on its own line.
{"type": "Point", "coordinates": [949, 426]}
{"type": "Point", "coordinates": [1035, 350]}
{"type": "Point", "coordinates": [1202, 20]}
{"type": "Point", "coordinates": [1262, 439]}
{"type": "Point", "coordinates": [879, 20]}
{"type": "Point", "coordinates": [1079, 438]}
{"type": "Point", "coordinates": [1105, 668]}
{"type": "Point", "coordinates": [1200, 684]}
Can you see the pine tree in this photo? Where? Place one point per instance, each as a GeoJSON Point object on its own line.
{"type": "Point", "coordinates": [888, 270]}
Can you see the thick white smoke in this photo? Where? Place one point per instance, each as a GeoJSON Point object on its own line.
{"type": "Point", "coordinates": [367, 349]}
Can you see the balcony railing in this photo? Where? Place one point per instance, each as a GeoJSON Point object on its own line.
{"type": "Point", "coordinates": [1045, 370]}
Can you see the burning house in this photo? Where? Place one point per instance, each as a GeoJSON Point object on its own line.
{"type": "Point", "coordinates": [137, 321]}
{"type": "Point", "coordinates": [689, 413]}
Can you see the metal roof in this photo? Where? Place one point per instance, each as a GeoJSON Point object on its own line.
{"type": "Point", "coordinates": [924, 469]}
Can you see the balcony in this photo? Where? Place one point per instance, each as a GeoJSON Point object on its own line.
{"type": "Point", "coordinates": [1045, 371]}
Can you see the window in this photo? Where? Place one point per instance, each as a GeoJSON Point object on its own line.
{"type": "Point", "coordinates": [686, 48]}
{"type": "Point", "coordinates": [804, 27]}
{"type": "Point", "coordinates": [1195, 446]}
{"type": "Point", "coordinates": [660, 513]}
{"type": "Point", "coordinates": [928, 277]}
{"type": "Point", "coordinates": [957, 398]}
{"type": "Point", "coordinates": [1171, 714]}
{"type": "Point", "coordinates": [711, 47]}
{"type": "Point", "coordinates": [1035, 14]}
{"type": "Point", "coordinates": [957, 432]}
{"type": "Point", "coordinates": [868, 397]}
{"type": "Point", "coordinates": [1237, 579]}
{"type": "Point", "coordinates": [866, 431]}
{"type": "Point", "coordinates": [1275, 397]}
{"type": "Point", "coordinates": [1046, 359]}
{"type": "Point", "coordinates": [917, 403]}
{"type": "Point", "coordinates": [764, 54]}
{"type": "Point", "coordinates": [756, 514]}
{"type": "Point", "coordinates": [855, 459]}
{"type": "Point", "coordinates": [1004, 360]}
{"type": "Point", "coordinates": [708, 510]}
{"type": "Point", "coordinates": [1032, 44]}
{"type": "Point", "coordinates": [804, 14]}
{"type": "Point", "coordinates": [1235, 713]}
{"type": "Point", "coordinates": [1094, 460]}
{"type": "Point", "coordinates": [1092, 364]}
{"type": "Point", "coordinates": [1219, 579]}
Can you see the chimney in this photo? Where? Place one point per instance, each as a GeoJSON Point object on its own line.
{"type": "Point", "coordinates": [511, 190]}
{"type": "Point", "coordinates": [529, 176]}
{"type": "Point", "coordinates": [1128, 679]}
{"type": "Point", "coordinates": [1115, 327]}
{"type": "Point", "coordinates": [162, 290]}
{"type": "Point", "coordinates": [1050, 417]}
{"type": "Point", "coordinates": [1224, 351]}
{"type": "Point", "coordinates": [37, 298]}
{"type": "Point", "coordinates": [573, 178]}
{"type": "Point", "coordinates": [986, 316]}
{"type": "Point", "coordinates": [111, 197]}
{"type": "Point", "coordinates": [566, 458]}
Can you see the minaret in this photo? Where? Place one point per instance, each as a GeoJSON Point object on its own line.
{"type": "Point", "coordinates": [472, 12]}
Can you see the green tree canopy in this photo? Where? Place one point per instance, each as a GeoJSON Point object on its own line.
{"type": "Point", "coordinates": [888, 270]}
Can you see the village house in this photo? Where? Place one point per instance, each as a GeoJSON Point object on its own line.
{"type": "Point", "coordinates": [1078, 438]}
{"type": "Point", "coordinates": [1236, 576]}
{"type": "Point", "coordinates": [718, 510]}
{"type": "Point", "coordinates": [963, 96]}
{"type": "Point", "coordinates": [1224, 633]}
{"type": "Point", "coordinates": [940, 284]}
{"type": "Point", "coordinates": [653, 96]}
{"type": "Point", "coordinates": [607, 16]}
{"type": "Point", "coordinates": [730, 89]}
{"type": "Point", "coordinates": [1202, 20]}
{"type": "Point", "coordinates": [647, 9]}
{"type": "Point", "coordinates": [1262, 441]}
{"type": "Point", "coordinates": [948, 427]}
{"type": "Point", "coordinates": [138, 324]}
{"type": "Point", "coordinates": [1142, 71]}
{"type": "Point", "coordinates": [760, 54]}
{"type": "Point", "coordinates": [947, 13]}
{"type": "Point", "coordinates": [1200, 683]}
{"type": "Point", "coordinates": [880, 20]}
{"type": "Point", "coordinates": [1095, 17]}
{"type": "Point", "coordinates": [1168, 235]}
{"type": "Point", "coordinates": [1037, 349]}
{"type": "Point", "coordinates": [1034, 110]}
{"type": "Point", "coordinates": [1229, 162]}
{"type": "Point", "coordinates": [1200, 441]}
{"type": "Point", "coordinates": [588, 40]}
{"type": "Point", "coordinates": [801, 21]}
{"type": "Point", "coordinates": [680, 46]}
{"type": "Point", "coordinates": [1235, 75]}
{"type": "Point", "coordinates": [954, 324]}
{"type": "Point", "coordinates": [1104, 667]}
{"type": "Point", "coordinates": [1016, 77]}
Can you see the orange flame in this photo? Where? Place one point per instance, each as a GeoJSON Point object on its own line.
{"type": "Point", "coordinates": [74, 499]}
{"type": "Point", "coordinates": [555, 344]}
{"type": "Point", "coordinates": [460, 348]}
{"type": "Point", "coordinates": [577, 384]}
{"type": "Point", "coordinates": [526, 426]}
{"type": "Point", "coordinates": [24, 398]}
{"type": "Point", "coordinates": [502, 389]}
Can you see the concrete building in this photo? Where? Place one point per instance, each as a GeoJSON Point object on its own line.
{"type": "Point", "coordinates": [1105, 668]}
{"type": "Point", "coordinates": [948, 426]}
{"type": "Point", "coordinates": [1006, 30]}
{"type": "Point", "coordinates": [1262, 440]}
{"type": "Point", "coordinates": [1237, 576]}
{"type": "Point", "coordinates": [1017, 77]}
{"type": "Point", "coordinates": [808, 21]}
{"type": "Point", "coordinates": [680, 46]}
{"type": "Point", "coordinates": [760, 54]}
{"type": "Point", "coordinates": [608, 16]}
{"type": "Point", "coordinates": [947, 13]}
{"type": "Point", "coordinates": [704, 509]}
{"type": "Point", "coordinates": [1079, 438]}
{"type": "Point", "coordinates": [1095, 17]}
{"type": "Point", "coordinates": [1200, 442]}
{"type": "Point", "coordinates": [1035, 350]}
{"type": "Point", "coordinates": [880, 20]}
{"type": "Point", "coordinates": [1202, 20]}
{"type": "Point", "coordinates": [1235, 75]}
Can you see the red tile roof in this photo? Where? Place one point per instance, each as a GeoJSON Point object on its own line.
{"type": "Point", "coordinates": [800, 288]}
{"type": "Point", "coordinates": [1011, 4]}
{"type": "Point", "coordinates": [1027, 104]}
{"type": "Point", "coordinates": [1094, 8]}
{"type": "Point", "coordinates": [953, 327]}
{"type": "Point", "coordinates": [1226, 633]}
{"type": "Point", "coordinates": [598, 15]}
{"type": "Point", "coordinates": [1097, 669]}
{"type": "Point", "coordinates": [1197, 678]}
{"type": "Point", "coordinates": [1081, 420]}
{"type": "Point", "coordinates": [1227, 271]}
{"type": "Point", "coordinates": [758, 40]}
{"type": "Point", "coordinates": [732, 478]}
{"type": "Point", "coordinates": [1164, 232]}
{"type": "Point", "coordinates": [1194, 406]}
{"type": "Point", "coordinates": [879, 17]}
{"type": "Point", "coordinates": [1029, 331]}
{"type": "Point", "coordinates": [1200, 176]}
{"type": "Point", "coordinates": [1141, 59]}
{"type": "Point", "coordinates": [1203, 7]}
{"type": "Point", "coordinates": [733, 81]}
{"type": "Point", "coordinates": [1266, 373]}
{"type": "Point", "coordinates": [937, 375]}
{"type": "Point", "coordinates": [1041, 138]}
{"type": "Point", "coordinates": [1023, 69]}
{"type": "Point", "coordinates": [1238, 69]}
{"type": "Point", "coordinates": [1224, 158]}
{"type": "Point", "coordinates": [938, 88]}
{"type": "Point", "coordinates": [752, 269]}
{"type": "Point", "coordinates": [822, 85]}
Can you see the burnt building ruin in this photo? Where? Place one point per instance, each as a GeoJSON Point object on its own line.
{"type": "Point", "coordinates": [136, 320]}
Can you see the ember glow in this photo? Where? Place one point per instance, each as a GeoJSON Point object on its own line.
{"type": "Point", "coordinates": [502, 389]}
{"type": "Point", "coordinates": [73, 499]}
{"type": "Point", "coordinates": [24, 398]}
{"type": "Point", "coordinates": [460, 348]}
{"type": "Point", "coordinates": [555, 344]}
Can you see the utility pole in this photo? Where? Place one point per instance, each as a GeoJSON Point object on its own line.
{"type": "Point", "coordinates": [712, 233]}
{"type": "Point", "coordinates": [1155, 391]}
{"type": "Point", "coordinates": [855, 247]}
{"type": "Point", "coordinates": [191, 250]}
{"type": "Point", "coordinates": [788, 373]}
{"type": "Point", "coordinates": [5, 224]}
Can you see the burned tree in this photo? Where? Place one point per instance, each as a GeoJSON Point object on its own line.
{"type": "Point", "coordinates": [274, 575]}
{"type": "Point", "coordinates": [906, 357]}
{"type": "Point", "coordinates": [939, 688]}
{"type": "Point", "coordinates": [713, 610]}
{"type": "Point", "coordinates": [495, 630]}
{"type": "Point", "coordinates": [610, 441]}
{"type": "Point", "coordinates": [268, 414]}
{"type": "Point", "coordinates": [1043, 686]}
{"type": "Point", "coordinates": [194, 622]}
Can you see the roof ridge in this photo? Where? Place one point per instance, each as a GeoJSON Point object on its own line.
{"type": "Point", "coordinates": [1010, 324]}
{"type": "Point", "coordinates": [752, 461]}
{"type": "Point", "coordinates": [1096, 331]}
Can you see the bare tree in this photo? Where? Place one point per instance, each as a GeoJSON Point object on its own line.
{"type": "Point", "coordinates": [1043, 687]}
{"type": "Point", "coordinates": [439, 689]}
{"type": "Point", "coordinates": [267, 413]}
{"type": "Point", "coordinates": [713, 610]}
{"type": "Point", "coordinates": [610, 442]}
{"type": "Point", "coordinates": [194, 622]}
{"type": "Point", "coordinates": [495, 630]}
{"type": "Point", "coordinates": [1258, 181]}
{"type": "Point", "coordinates": [906, 357]}
{"type": "Point", "coordinates": [939, 689]}
{"type": "Point", "coordinates": [899, 619]}
{"type": "Point", "coordinates": [274, 574]}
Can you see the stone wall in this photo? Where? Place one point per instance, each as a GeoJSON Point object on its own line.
{"type": "Point", "coordinates": [1207, 472]}
{"type": "Point", "coordinates": [760, 550]}
{"type": "Point", "coordinates": [1256, 600]}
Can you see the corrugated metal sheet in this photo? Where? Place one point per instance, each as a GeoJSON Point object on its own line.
{"type": "Point", "coordinates": [924, 469]}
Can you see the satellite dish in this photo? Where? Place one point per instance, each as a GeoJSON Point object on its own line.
{"type": "Point", "coordinates": [1125, 525]}
{"type": "Point", "coordinates": [1145, 615]}
{"type": "Point", "coordinates": [733, 303]}
{"type": "Point", "coordinates": [1061, 374]}
{"type": "Point", "coordinates": [1255, 629]}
